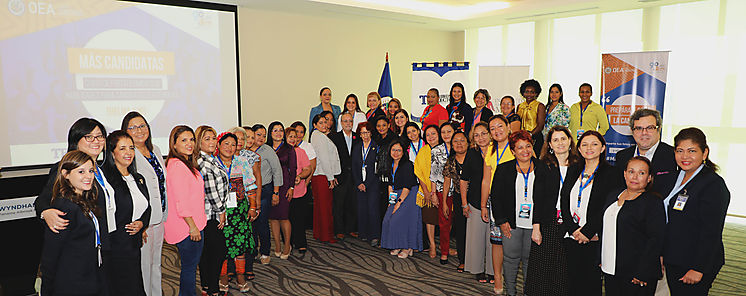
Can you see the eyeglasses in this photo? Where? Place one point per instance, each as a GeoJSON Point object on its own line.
{"type": "Point", "coordinates": [91, 138]}
{"type": "Point", "coordinates": [137, 127]}
{"type": "Point", "coordinates": [649, 129]}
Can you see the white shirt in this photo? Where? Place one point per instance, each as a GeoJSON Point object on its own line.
{"type": "Point", "coordinates": [412, 147]}
{"type": "Point", "coordinates": [584, 199]}
{"type": "Point", "coordinates": [308, 148]}
{"type": "Point", "coordinates": [111, 205]}
{"type": "Point", "coordinates": [139, 202]}
{"type": "Point", "coordinates": [563, 173]}
{"type": "Point", "coordinates": [521, 200]}
{"type": "Point", "coordinates": [327, 162]}
{"type": "Point", "coordinates": [649, 154]}
{"type": "Point", "coordinates": [357, 118]}
{"type": "Point", "coordinates": [608, 241]}
{"type": "Point", "coordinates": [348, 141]}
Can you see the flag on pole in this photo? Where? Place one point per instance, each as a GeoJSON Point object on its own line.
{"type": "Point", "coordinates": [384, 87]}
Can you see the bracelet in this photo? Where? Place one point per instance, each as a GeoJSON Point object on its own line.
{"type": "Point", "coordinates": [465, 206]}
{"type": "Point", "coordinates": [252, 209]}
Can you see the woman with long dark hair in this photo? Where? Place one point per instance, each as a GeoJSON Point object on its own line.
{"type": "Point", "coordinates": [439, 156]}
{"type": "Point", "coordinates": [584, 192]}
{"type": "Point", "coordinates": [133, 211]}
{"type": "Point", "coordinates": [352, 106]}
{"type": "Point", "coordinates": [71, 257]}
{"type": "Point", "coordinates": [459, 111]}
{"type": "Point", "coordinates": [558, 113]}
{"type": "Point", "coordinates": [149, 163]}
{"type": "Point", "coordinates": [278, 217]}
{"type": "Point", "coordinates": [186, 191]}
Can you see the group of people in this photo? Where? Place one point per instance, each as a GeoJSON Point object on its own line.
{"type": "Point", "coordinates": [531, 182]}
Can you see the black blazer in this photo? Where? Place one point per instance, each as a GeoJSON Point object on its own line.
{"type": "Point", "coordinates": [120, 239]}
{"type": "Point", "coordinates": [371, 180]}
{"type": "Point", "coordinates": [485, 116]}
{"type": "Point", "coordinates": [552, 187]}
{"type": "Point", "coordinates": [639, 236]}
{"type": "Point", "coordinates": [404, 176]}
{"type": "Point", "coordinates": [503, 192]}
{"type": "Point", "coordinates": [69, 260]}
{"type": "Point", "coordinates": [345, 161]}
{"type": "Point", "coordinates": [663, 164]}
{"type": "Point", "coordinates": [606, 179]}
{"type": "Point", "coordinates": [694, 236]}
{"type": "Point", "coordinates": [42, 203]}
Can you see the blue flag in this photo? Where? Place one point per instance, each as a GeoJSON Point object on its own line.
{"type": "Point", "coordinates": [384, 87]}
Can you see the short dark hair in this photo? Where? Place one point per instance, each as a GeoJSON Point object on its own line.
{"type": "Point", "coordinates": [109, 168]}
{"type": "Point", "coordinates": [640, 113]}
{"type": "Point", "coordinates": [79, 129]}
{"type": "Point", "coordinates": [257, 127]}
{"type": "Point", "coordinates": [323, 89]}
{"type": "Point", "coordinates": [586, 84]}
{"type": "Point", "coordinates": [531, 83]}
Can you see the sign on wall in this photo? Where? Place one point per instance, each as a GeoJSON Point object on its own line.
{"type": "Point", "coordinates": [438, 75]}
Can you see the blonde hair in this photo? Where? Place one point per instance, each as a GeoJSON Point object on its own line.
{"type": "Point", "coordinates": [199, 133]}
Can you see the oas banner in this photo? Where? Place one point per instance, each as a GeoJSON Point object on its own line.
{"type": "Point", "coordinates": [435, 75]}
{"type": "Point", "coordinates": [631, 81]}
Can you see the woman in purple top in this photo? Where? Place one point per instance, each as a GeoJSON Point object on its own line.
{"type": "Point", "coordinates": [278, 215]}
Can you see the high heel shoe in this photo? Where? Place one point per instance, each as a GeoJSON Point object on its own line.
{"type": "Point", "coordinates": [223, 288]}
{"type": "Point", "coordinates": [285, 256]}
{"type": "Point", "coordinates": [244, 288]}
{"type": "Point", "coordinates": [404, 254]}
{"type": "Point", "coordinates": [278, 253]}
{"type": "Point", "coordinates": [395, 252]}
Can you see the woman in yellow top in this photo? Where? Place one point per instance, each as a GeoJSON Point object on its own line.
{"type": "Point", "coordinates": [533, 113]}
{"type": "Point", "coordinates": [587, 115]}
{"type": "Point", "coordinates": [497, 154]}
{"type": "Point", "coordinates": [426, 197]}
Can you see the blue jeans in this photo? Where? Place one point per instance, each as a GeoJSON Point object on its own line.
{"type": "Point", "coordinates": [261, 224]}
{"type": "Point", "coordinates": [189, 252]}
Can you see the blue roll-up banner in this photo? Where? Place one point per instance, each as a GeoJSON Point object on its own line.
{"type": "Point", "coordinates": [631, 81]}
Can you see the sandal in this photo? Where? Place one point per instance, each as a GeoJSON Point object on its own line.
{"type": "Point", "coordinates": [432, 253]}
{"type": "Point", "coordinates": [481, 278]}
{"type": "Point", "coordinates": [223, 288]}
{"type": "Point", "coordinates": [491, 278]}
{"type": "Point", "coordinates": [443, 261]}
{"type": "Point", "coordinates": [244, 288]}
{"type": "Point", "coordinates": [250, 276]}
{"type": "Point", "coordinates": [395, 252]}
{"type": "Point", "coordinates": [460, 268]}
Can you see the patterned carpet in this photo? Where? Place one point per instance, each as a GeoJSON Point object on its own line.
{"type": "Point", "coordinates": [349, 267]}
{"type": "Point", "coordinates": [352, 267]}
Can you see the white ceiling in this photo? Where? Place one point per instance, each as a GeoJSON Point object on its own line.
{"type": "Point", "coordinates": [451, 15]}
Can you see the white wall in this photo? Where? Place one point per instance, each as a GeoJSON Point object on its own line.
{"type": "Point", "coordinates": [286, 58]}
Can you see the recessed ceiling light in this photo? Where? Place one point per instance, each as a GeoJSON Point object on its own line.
{"type": "Point", "coordinates": [425, 8]}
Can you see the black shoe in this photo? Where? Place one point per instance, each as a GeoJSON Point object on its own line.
{"type": "Point", "coordinates": [443, 261]}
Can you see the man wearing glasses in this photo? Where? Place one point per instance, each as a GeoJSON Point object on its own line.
{"type": "Point", "coordinates": [646, 130]}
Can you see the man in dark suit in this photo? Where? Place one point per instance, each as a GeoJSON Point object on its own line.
{"type": "Point", "coordinates": [646, 130]}
{"type": "Point", "coordinates": [344, 207]}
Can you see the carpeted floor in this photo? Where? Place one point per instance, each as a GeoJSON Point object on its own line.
{"type": "Point", "coordinates": [352, 267]}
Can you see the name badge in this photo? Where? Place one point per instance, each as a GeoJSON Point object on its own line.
{"type": "Point", "coordinates": [232, 201]}
{"type": "Point", "coordinates": [559, 216]}
{"type": "Point", "coordinates": [580, 133]}
{"type": "Point", "coordinates": [681, 201]}
{"type": "Point", "coordinates": [575, 218]}
{"type": "Point", "coordinates": [525, 211]}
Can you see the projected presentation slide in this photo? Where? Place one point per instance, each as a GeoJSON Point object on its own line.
{"type": "Point", "coordinates": [63, 60]}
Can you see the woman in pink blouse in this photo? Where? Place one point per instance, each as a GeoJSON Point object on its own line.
{"type": "Point", "coordinates": [186, 216]}
{"type": "Point", "coordinates": [299, 203]}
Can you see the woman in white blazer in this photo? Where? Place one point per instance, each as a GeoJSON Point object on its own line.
{"type": "Point", "coordinates": [149, 163]}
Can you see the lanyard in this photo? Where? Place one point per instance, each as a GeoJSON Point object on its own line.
{"type": "Point", "coordinates": [587, 182]}
{"type": "Point", "coordinates": [525, 178]}
{"type": "Point", "coordinates": [100, 179]}
{"type": "Point", "coordinates": [98, 236]}
{"type": "Point", "coordinates": [419, 146]}
{"type": "Point", "coordinates": [455, 108]}
{"type": "Point", "coordinates": [365, 152]}
{"type": "Point", "coordinates": [428, 110]}
{"type": "Point", "coordinates": [278, 146]}
{"type": "Point", "coordinates": [393, 172]}
{"type": "Point", "coordinates": [371, 112]}
{"type": "Point", "coordinates": [448, 151]}
{"type": "Point", "coordinates": [582, 110]}
{"type": "Point", "coordinates": [497, 162]}
{"type": "Point", "coordinates": [476, 116]}
{"type": "Point", "coordinates": [227, 170]}
{"type": "Point", "coordinates": [509, 114]}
